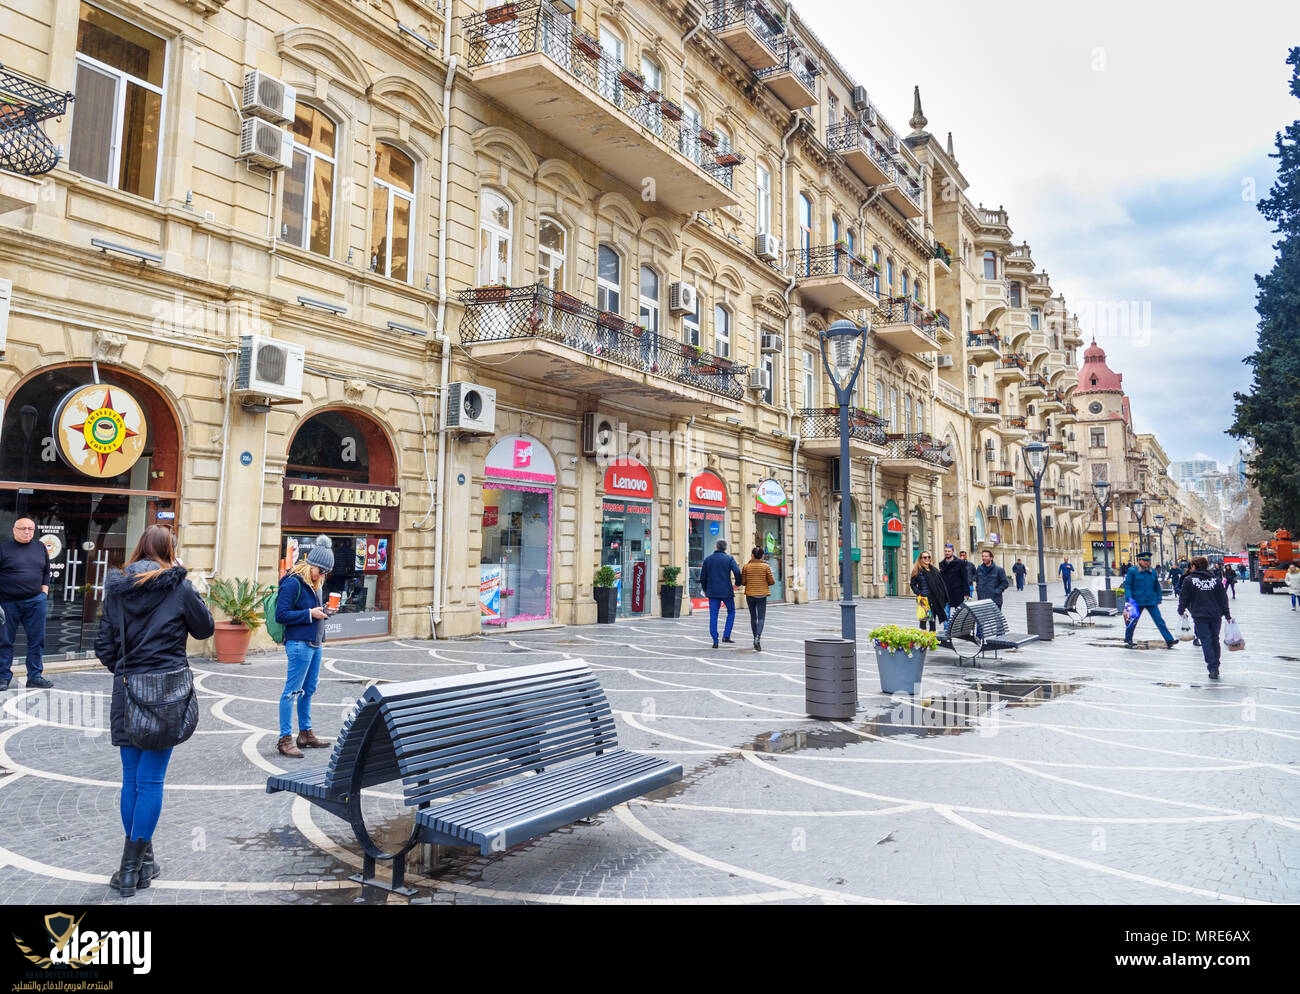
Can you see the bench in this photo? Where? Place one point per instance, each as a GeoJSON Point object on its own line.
{"type": "Point", "coordinates": [486, 759]}
{"type": "Point", "coordinates": [1081, 605]}
{"type": "Point", "coordinates": [978, 627]}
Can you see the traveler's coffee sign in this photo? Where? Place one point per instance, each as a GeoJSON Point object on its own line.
{"type": "Point", "coordinates": [312, 503]}
{"type": "Point", "coordinates": [100, 430]}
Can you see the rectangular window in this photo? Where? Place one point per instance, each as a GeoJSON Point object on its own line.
{"type": "Point", "coordinates": [1097, 438]}
{"type": "Point", "coordinates": [721, 332]}
{"type": "Point", "coordinates": [1035, 319]}
{"type": "Point", "coordinates": [990, 265]}
{"type": "Point", "coordinates": [809, 381]}
{"type": "Point", "coordinates": [771, 379]}
{"type": "Point", "coordinates": [116, 133]}
{"type": "Point", "coordinates": [762, 201]}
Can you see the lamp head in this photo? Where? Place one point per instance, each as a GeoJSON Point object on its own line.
{"type": "Point", "coordinates": [1035, 455]}
{"type": "Point", "coordinates": [840, 343]}
{"type": "Point", "coordinates": [1160, 520]}
{"type": "Point", "coordinates": [1101, 491]}
{"type": "Point", "coordinates": [1138, 505]}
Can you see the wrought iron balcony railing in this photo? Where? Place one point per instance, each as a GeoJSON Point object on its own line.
{"type": "Point", "coordinates": [1002, 478]}
{"type": "Point", "coordinates": [752, 13]}
{"type": "Point", "coordinates": [24, 103]}
{"type": "Point", "coordinates": [824, 422]}
{"type": "Point", "coordinates": [501, 313]}
{"type": "Point", "coordinates": [832, 260]}
{"type": "Point", "coordinates": [539, 27]}
{"type": "Point", "coordinates": [983, 339]}
{"type": "Point", "coordinates": [905, 310]}
{"type": "Point", "coordinates": [985, 405]}
{"type": "Point", "coordinates": [796, 62]}
{"type": "Point", "coordinates": [919, 445]}
{"type": "Point", "coordinates": [850, 136]}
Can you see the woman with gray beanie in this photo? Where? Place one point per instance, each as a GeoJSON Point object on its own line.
{"type": "Point", "coordinates": [300, 607]}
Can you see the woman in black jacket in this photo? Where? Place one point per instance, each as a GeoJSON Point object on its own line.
{"type": "Point", "coordinates": [150, 611]}
{"type": "Point", "coordinates": [1203, 596]}
{"type": "Point", "coordinates": [927, 582]}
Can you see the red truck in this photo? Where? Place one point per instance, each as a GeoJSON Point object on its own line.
{"type": "Point", "coordinates": [1275, 555]}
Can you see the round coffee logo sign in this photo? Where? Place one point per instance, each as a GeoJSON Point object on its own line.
{"type": "Point", "coordinates": [100, 430]}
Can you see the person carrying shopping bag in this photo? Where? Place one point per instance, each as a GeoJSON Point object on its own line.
{"type": "Point", "coordinates": [931, 594]}
{"type": "Point", "coordinates": [1205, 599]}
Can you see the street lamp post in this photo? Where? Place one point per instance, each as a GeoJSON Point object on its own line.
{"type": "Point", "coordinates": [1139, 507]}
{"type": "Point", "coordinates": [1101, 493]}
{"type": "Point", "coordinates": [1038, 615]}
{"type": "Point", "coordinates": [1160, 535]}
{"type": "Point", "coordinates": [845, 345]}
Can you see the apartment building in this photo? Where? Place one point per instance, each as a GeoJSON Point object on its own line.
{"type": "Point", "coordinates": [483, 298]}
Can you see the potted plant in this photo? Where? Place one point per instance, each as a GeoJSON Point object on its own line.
{"type": "Point", "coordinates": [900, 656]}
{"type": "Point", "coordinates": [606, 595]}
{"type": "Point", "coordinates": [240, 600]}
{"type": "Point", "coordinates": [631, 79]}
{"type": "Point", "coordinates": [670, 592]}
{"type": "Point", "coordinates": [708, 137]}
{"type": "Point", "coordinates": [610, 320]}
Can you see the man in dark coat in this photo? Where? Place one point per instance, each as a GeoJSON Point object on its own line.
{"type": "Point", "coordinates": [1205, 599]}
{"type": "Point", "coordinates": [719, 577]}
{"type": "Point", "coordinates": [1019, 570]}
{"type": "Point", "coordinates": [990, 579]}
{"type": "Point", "coordinates": [956, 579]}
{"type": "Point", "coordinates": [24, 593]}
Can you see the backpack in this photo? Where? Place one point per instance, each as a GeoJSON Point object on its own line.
{"type": "Point", "coordinates": [275, 628]}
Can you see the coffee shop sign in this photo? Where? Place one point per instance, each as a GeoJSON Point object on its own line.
{"type": "Point", "coordinates": [344, 504]}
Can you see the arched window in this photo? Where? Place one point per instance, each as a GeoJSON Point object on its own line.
{"type": "Point", "coordinates": [609, 279]}
{"type": "Point", "coordinates": [721, 331]}
{"type": "Point", "coordinates": [307, 212]}
{"type": "Point", "coordinates": [906, 282]}
{"type": "Point", "coordinates": [390, 220]}
{"type": "Point", "coordinates": [648, 311]}
{"type": "Point", "coordinates": [494, 239]}
{"type": "Point", "coordinates": [551, 243]}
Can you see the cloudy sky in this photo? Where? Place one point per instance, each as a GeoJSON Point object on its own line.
{"type": "Point", "coordinates": [1130, 143]}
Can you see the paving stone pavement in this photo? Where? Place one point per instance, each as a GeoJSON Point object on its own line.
{"type": "Point", "coordinates": [1070, 772]}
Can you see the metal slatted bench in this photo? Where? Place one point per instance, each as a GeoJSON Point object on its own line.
{"type": "Point", "coordinates": [980, 625]}
{"type": "Point", "coordinates": [487, 759]}
{"type": "Point", "coordinates": [1081, 606]}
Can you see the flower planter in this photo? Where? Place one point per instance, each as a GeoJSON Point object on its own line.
{"type": "Point", "coordinates": [568, 302]}
{"type": "Point", "coordinates": [708, 137]}
{"type": "Point", "coordinates": [586, 44]}
{"type": "Point", "coordinates": [610, 320]}
{"type": "Point", "coordinates": [653, 96]}
{"type": "Point", "coordinates": [670, 110]}
{"type": "Point", "coordinates": [727, 159]}
{"type": "Point", "coordinates": [230, 638]}
{"type": "Point", "coordinates": [900, 673]}
{"type": "Point", "coordinates": [636, 330]}
{"type": "Point", "coordinates": [501, 13]}
{"type": "Point", "coordinates": [487, 294]}
{"type": "Point", "coordinates": [606, 604]}
{"type": "Point", "coordinates": [670, 602]}
{"type": "Point", "coordinates": [631, 81]}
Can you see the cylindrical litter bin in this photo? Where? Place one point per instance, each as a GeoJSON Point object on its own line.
{"type": "Point", "coordinates": [1038, 617]}
{"type": "Point", "coordinates": [1106, 598]}
{"type": "Point", "coordinates": [830, 677]}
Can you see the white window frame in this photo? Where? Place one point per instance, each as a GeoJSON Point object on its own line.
{"type": "Point", "coordinates": [770, 366]}
{"type": "Point", "coordinates": [809, 379]}
{"type": "Point", "coordinates": [311, 155]}
{"type": "Point", "coordinates": [721, 331]}
{"type": "Point", "coordinates": [648, 303]}
{"type": "Point", "coordinates": [609, 294]}
{"type": "Point", "coordinates": [491, 268]}
{"type": "Point", "coordinates": [385, 265]}
{"type": "Point", "coordinates": [762, 200]}
{"type": "Point", "coordinates": [551, 272]}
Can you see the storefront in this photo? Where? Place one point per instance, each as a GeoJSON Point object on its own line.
{"type": "Point", "coordinates": [706, 523]}
{"type": "Point", "coordinates": [771, 511]}
{"type": "Point", "coordinates": [891, 542]}
{"type": "Point", "coordinates": [516, 558]}
{"type": "Point", "coordinates": [625, 533]}
{"type": "Point", "coordinates": [93, 458]}
{"type": "Point", "coordinates": [340, 490]}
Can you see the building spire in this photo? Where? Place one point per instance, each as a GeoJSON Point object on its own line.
{"type": "Point", "coordinates": [918, 121]}
{"type": "Point", "coordinates": [951, 154]}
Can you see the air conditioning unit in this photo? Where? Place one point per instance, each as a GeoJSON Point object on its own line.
{"type": "Point", "coordinates": [265, 144]}
{"type": "Point", "coordinates": [758, 379]}
{"type": "Point", "coordinates": [269, 368]}
{"type": "Point", "coordinates": [683, 298]}
{"type": "Point", "coordinates": [988, 444]}
{"type": "Point", "coordinates": [891, 142]}
{"type": "Point", "coordinates": [1004, 511]}
{"type": "Point", "coordinates": [771, 343]}
{"type": "Point", "coordinates": [860, 99]}
{"type": "Point", "coordinates": [471, 409]}
{"type": "Point", "coordinates": [971, 370]}
{"type": "Point", "coordinates": [599, 432]}
{"type": "Point", "coordinates": [945, 361]}
{"type": "Point", "coordinates": [767, 247]}
{"type": "Point", "coordinates": [990, 455]}
{"type": "Point", "coordinates": [268, 98]}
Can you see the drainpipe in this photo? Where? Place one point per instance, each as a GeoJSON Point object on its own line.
{"type": "Point", "coordinates": [796, 569]}
{"type": "Point", "coordinates": [444, 343]}
{"type": "Point", "coordinates": [691, 33]}
{"type": "Point", "coordinates": [875, 502]}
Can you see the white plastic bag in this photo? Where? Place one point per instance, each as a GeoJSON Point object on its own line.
{"type": "Point", "coordinates": [1232, 637]}
{"type": "Point", "coordinates": [1185, 631]}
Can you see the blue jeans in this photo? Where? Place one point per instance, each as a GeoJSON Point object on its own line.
{"type": "Point", "coordinates": [714, 604]}
{"type": "Point", "coordinates": [143, 773]}
{"type": "Point", "coordinates": [1154, 611]}
{"type": "Point", "coordinates": [31, 612]}
{"type": "Point", "coordinates": [299, 684]}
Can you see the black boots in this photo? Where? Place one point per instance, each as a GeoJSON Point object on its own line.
{"type": "Point", "coordinates": [130, 874]}
{"type": "Point", "coordinates": [148, 870]}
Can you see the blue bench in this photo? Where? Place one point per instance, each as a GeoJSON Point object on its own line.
{"type": "Point", "coordinates": [979, 627]}
{"type": "Point", "coordinates": [486, 759]}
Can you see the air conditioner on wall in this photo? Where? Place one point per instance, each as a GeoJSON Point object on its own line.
{"type": "Point", "coordinates": [771, 343]}
{"type": "Point", "coordinates": [265, 144]}
{"type": "Point", "coordinates": [990, 455]}
{"type": "Point", "coordinates": [860, 99]}
{"type": "Point", "coordinates": [269, 368]}
{"type": "Point", "coordinates": [758, 379]}
{"type": "Point", "coordinates": [471, 409]}
{"type": "Point", "coordinates": [1004, 511]}
{"type": "Point", "coordinates": [971, 370]}
{"type": "Point", "coordinates": [683, 298]}
{"type": "Point", "coordinates": [945, 361]}
{"type": "Point", "coordinates": [268, 98]}
{"type": "Point", "coordinates": [598, 433]}
{"type": "Point", "coordinates": [767, 247]}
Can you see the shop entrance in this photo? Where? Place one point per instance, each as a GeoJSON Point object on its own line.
{"type": "Point", "coordinates": [769, 531]}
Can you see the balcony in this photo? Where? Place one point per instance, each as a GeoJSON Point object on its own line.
{"type": "Point", "coordinates": [943, 256]}
{"type": "Point", "coordinates": [916, 453]}
{"type": "Point", "coordinates": [1052, 402]}
{"type": "Point", "coordinates": [24, 147]}
{"type": "Point", "coordinates": [749, 29]}
{"type": "Point", "coordinates": [558, 79]}
{"type": "Point", "coordinates": [996, 226]}
{"type": "Point", "coordinates": [903, 324]}
{"type": "Point", "coordinates": [831, 277]}
{"type": "Point", "coordinates": [862, 153]}
{"type": "Point", "coordinates": [905, 195]}
{"type": "Point", "coordinates": [985, 411]}
{"type": "Point", "coordinates": [1001, 482]}
{"type": "Point", "coordinates": [1024, 490]}
{"type": "Point", "coordinates": [1010, 369]}
{"type": "Point", "coordinates": [983, 346]}
{"type": "Point", "coordinates": [819, 430]}
{"type": "Point", "coordinates": [1035, 386]}
{"type": "Point", "coordinates": [943, 326]}
{"type": "Point", "coordinates": [793, 79]}
{"type": "Point", "coordinates": [1014, 427]}
{"type": "Point", "coordinates": [560, 341]}
{"type": "Point", "coordinates": [1068, 414]}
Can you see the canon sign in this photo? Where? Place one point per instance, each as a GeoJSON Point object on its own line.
{"type": "Point", "coordinates": [630, 483]}
{"type": "Point", "coordinates": [705, 493]}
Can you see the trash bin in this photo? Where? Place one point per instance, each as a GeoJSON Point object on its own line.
{"type": "Point", "coordinates": [1106, 598]}
{"type": "Point", "coordinates": [830, 677]}
{"type": "Point", "coordinates": [1038, 618]}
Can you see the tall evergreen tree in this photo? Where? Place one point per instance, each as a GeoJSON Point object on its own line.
{"type": "Point", "coordinates": [1269, 415]}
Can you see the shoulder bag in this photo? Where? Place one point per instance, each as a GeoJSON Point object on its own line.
{"type": "Point", "coordinates": [162, 709]}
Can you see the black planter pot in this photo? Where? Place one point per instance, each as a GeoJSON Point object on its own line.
{"type": "Point", "coordinates": [670, 602]}
{"type": "Point", "coordinates": [606, 604]}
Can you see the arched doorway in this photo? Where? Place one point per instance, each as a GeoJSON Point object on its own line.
{"type": "Point", "coordinates": [92, 459]}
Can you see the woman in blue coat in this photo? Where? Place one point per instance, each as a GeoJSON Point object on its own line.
{"type": "Point", "coordinates": [300, 607]}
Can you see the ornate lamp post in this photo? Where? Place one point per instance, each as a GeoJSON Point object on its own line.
{"type": "Point", "coordinates": [1139, 507]}
{"type": "Point", "coordinates": [844, 347]}
{"type": "Point", "coordinates": [1038, 615]}
{"type": "Point", "coordinates": [1174, 529]}
{"type": "Point", "coordinates": [1101, 493]}
{"type": "Point", "coordinates": [1160, 535]}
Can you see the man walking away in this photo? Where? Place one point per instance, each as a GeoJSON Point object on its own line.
{"type": "Point", "coordinates": [719, 576]}
{"type": "Point", "coordinates": [956, 579]}
{"type": "Point", "coordinates": [1067, 573]}
{"type": "Point", "coordinates": [990, 579]}
{"type": "Point", "coordinates": [1205, 599]}
{"type": "Point", "coordinates": [1019, 570]}
{"type": "Point", "coordinates": [24, 590]}
{"type": "Point", "coordinates": [1142, 584]}
{"type": "Point", "coordinates": [757, 579]}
